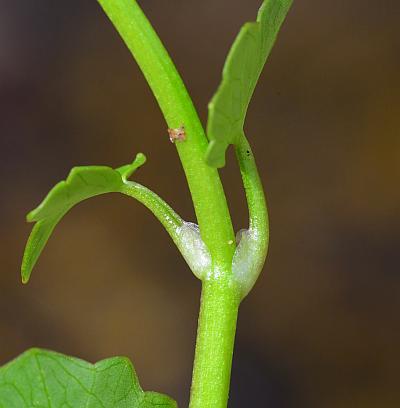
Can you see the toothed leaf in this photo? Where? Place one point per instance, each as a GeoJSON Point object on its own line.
{"type": "Point", "coordinates": [82, 183]}
{"type": "Point", "coordinates": [227, 109]}
{"type": "Point", "coordinates": [41, 378]}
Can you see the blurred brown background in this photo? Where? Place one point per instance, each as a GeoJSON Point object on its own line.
{"type": "Point", "coordinates": [321, 328]}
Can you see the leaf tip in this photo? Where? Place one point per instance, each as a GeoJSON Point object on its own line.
{"type": "Point", "coordinates": [127, 170]}
{"type": "Point", "coordinates": [140, 159]}
{"type": "Point", "coordinates": [30, 217]}
{"type": "Point", "coordinates": [25, 273]}
{"type": "Point", "coordinates": [26, 266]}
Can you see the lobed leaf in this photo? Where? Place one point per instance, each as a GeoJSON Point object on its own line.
{"type": "Point", "coordinates": [82, 183]}
{"type": "Point", "coordinates": [41, 378]}
{"type": "Point", "coordinates": [245, 61]}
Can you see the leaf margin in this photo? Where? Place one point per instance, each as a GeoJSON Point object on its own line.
{"type": "Point", "coordinates": [52, 209]}
{"type": "Point", "coordinates": [223, 130]}
{"type": "Point", "coordinates": [143, 398]}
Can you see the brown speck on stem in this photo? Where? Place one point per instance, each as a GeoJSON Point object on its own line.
{"type": "Point", "coordinates": [177, 134]}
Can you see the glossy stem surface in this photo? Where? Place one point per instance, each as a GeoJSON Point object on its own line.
{"type": "Point", "coordinates": [214, 346]}
{"type": "Point", "coordinates": [204, 183]}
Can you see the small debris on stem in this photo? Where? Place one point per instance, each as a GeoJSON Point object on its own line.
{"type": "Point", "coordinates": [177, 134]}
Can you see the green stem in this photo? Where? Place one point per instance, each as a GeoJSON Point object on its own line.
{"type": "Point", "coordinates": [221, 298]}
{"type": "Point", "coordinates": [214, 346]}
{"type": "Point", "coordinates": [162, 211]}
{"type": "Point", "coordinates": [204, 183]}
{"type": "Point", "coordinates": [257, 236]}
{"type": "Point", "coordinates": [258, 214]}
{"type": "Point", "coordinates": [220, 295]}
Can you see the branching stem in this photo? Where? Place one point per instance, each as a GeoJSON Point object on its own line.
{"type": "Point", "coordinates": [221, 294]}
{"type": "Point", "coordinates": [204, 183]}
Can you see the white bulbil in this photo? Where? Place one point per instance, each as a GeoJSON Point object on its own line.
{"type": "Point", "coordinates": [247, 261]}
{"type": "Point", "coordinates": [194, 249]}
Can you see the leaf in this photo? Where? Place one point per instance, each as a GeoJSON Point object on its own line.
{"type": "Point", "coordinates": [245, 61]}
{"type": "Point", "coordinates": [82, 183]}
{"type": "Point", "coordinates": [45, 379]}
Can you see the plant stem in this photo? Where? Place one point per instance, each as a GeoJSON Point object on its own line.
{"type": "Point", "coordinates": [162, 211]}
{"type": "Point", "coordinates": [258, 214]}
{"type": "Point", "coordinates": [221, 298]}
{"type": "Point", "coordinates": [204, 183]}
{"type": "Point", "coordinates": [214, 346]}
{"type": "Point", "coordinates": [220, 295]}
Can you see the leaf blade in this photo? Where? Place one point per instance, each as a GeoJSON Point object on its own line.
{"type": "Point", "coordinates": [48, 379]}
{"type": "Point", "coordinates": [82, 183]}
{"type": "Point", "coordinates": [243, 66]}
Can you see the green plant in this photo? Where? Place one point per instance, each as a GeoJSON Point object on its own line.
{"type": "Point", "coordinates": [228, 266]}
